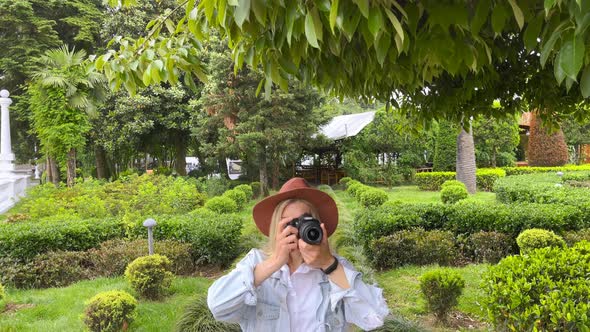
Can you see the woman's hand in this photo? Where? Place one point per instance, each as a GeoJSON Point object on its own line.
{"type": "Point", "coordinates": [285, 242]}
{"type": "Point", "coordinates": [317, 255]}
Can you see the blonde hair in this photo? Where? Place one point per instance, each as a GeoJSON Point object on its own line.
{"type": "Point", "coordinates": [276, 218]}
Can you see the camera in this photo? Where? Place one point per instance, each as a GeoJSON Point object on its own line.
{"type": "Point", "coordinates": [309, 228]}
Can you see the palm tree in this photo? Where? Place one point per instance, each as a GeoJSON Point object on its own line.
{"type": "Point", "coordinates": [71, 72]}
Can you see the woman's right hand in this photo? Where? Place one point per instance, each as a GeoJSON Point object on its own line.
{"type": "Point", "coordinates": [285, 242]}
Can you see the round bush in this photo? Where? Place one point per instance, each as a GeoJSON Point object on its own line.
{"type": "Point", "coordinates": [454, 193]}
{"type": "Point", "coordinates": [489, 247]}
{"type": "Point", "coordinates": [237, 196]}
{"type": "Point", "coordinates": [373, 197]}
{"type": "Point", "coordinates": [449, 183]}
{"type": "Point", "coordinates": [150, 276]}
{"type": "Point", "coordinates": [256, 187]}
{"type": "Point", "coordinates": [344, 181]}
{"type": "Point", "coordinates": [221, 204]}
{"type": "Point", "coordinates": [359, 192]}
{"type": "Point", "coordinates": [353, 186]}
{"type": "Point", "coordinates": [535, 238]}
{"type": "Point", "coordinates": [110, 311]}
{"type": "Point", "coordinates": [441, 288]}
{"type": "Point", "coordinates": [573, 237]}
{"type": "Point", "coordinates": [547, 290]}
{"type": "Point", "coordinates": [197, 317]}
{"type": "Point", "coordinates": [246, 189]}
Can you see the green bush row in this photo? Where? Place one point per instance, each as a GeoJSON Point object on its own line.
{"type": "Point", "coordinates": [532, 170]}
{"type": "Point", "coordinates": [465, 217]}
{"type": "Point", "coordinates": [367, 196]}
{"type": "Point", "coordinates": [485, 178]}
{"type": "Point", "coordinates": [546, 290]}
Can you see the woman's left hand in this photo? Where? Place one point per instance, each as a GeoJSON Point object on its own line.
{"type": "Point", "coordinates": [317, 255]}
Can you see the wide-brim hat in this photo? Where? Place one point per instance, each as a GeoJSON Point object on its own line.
{"type": "Point", "coordinates": [293, 189]}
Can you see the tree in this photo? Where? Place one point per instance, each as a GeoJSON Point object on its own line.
{"type": "Point", "coordinates": [445, 151]}
{"type": "Point", "coordinates": [576, 134]}
{"type": "Point", "coordinates": [494, 139]}
{"type": "Point", "coordinates": [546, 148]}
{"type": "Point", "coordinates": [73, 88]}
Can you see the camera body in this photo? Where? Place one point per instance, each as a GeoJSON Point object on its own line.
{"type": "Point", "coordinates": [308, 227]}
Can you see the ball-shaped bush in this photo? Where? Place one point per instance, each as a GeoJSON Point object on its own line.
{"type": "Point", "coordinates": [221, 205]}
{"type": "Point", "coordinates": [246, 189]}
{"type": "Point", "coordinates": [441, 288]}
{"type": "Point", "coordinates": [449, 183]}
{"type": "Point", "coordinates": [344, 181]}
{"type": "Point", "coordinates": [110, 311]}
{"type": "Point", "coordinates": [454, 193]}
{"type": "Point", "coordinates": [150, 276]}
{"type": "Point", "coordinates": [237, 196]}
{"type": "Point", "coordinates": [359, 192]}
{"type": "Point", "coordinates": [256, 189]}
{"type": "Point", "coordinates": [535, 238]}
{"type": "Point", "coordinates": [353, 186]}
{"type": "Point", "coordinates": [373, 197]}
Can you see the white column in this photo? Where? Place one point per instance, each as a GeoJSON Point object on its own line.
{"type": "Point", "coordinates": [6, 155]}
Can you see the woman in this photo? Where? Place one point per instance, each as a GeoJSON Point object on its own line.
{"type": "Point", "coordinates": [294, 285]}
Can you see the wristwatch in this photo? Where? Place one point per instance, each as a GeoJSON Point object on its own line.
{"type": "Point", "coordinates": [332, 267]}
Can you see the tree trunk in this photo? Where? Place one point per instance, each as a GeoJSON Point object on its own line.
{"type": "Point", "coordinates": [275, 170]}
{"type": "Point", "coordinates": [466, 161]}
{"type": "Point", "coordinates": [71, 167]}
{"type": "Point", "coordinates": [101, 162]}
{"type": "Point", "coordinates": [180, 149]}
{"type": "Point", "coordinates": [263, 173]}
{"type": "Point", "coordinates": [54, 171]}
{"type": "Point", "coordinates": [494, 157]}
{"type": "Point", "coordinates": [48, 170]}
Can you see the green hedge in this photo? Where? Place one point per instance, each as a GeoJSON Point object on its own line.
{"type": "Point", "coordinates": [465, 217]}
{"type": "Point", "coordinates": [532, 170]}
{"type": "Point", "coordinates": [24, 241]}
{"type": "Point", "coordinates": [485, 178]}
{"type": "Point", "coordinates": [547, 290]}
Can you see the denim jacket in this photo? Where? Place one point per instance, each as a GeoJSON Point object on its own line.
{"type": "Point", "coordinates": [233, 298]}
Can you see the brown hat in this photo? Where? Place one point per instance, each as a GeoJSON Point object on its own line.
{"type": "Point", "coordinates": [293, 189]}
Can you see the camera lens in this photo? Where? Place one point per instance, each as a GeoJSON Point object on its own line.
{"type": "Point", "coordinates": [313, 235]}
{"type": "Point", "coordinates": [310, 231]}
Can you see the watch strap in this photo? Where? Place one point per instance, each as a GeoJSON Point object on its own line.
{"type": "Point", "coordinates": [332, 267]}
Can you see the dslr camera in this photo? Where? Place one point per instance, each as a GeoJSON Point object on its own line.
{"type": "Point", "coordinates": [308, 227]}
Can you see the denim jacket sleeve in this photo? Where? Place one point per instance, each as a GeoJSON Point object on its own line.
{"type": "Point", "coordinates": [229, 295]}
{"type": "Point", "coordinates": [364, 305]}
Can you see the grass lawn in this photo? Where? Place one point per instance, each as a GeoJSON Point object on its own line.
{"type": "Point", "coordinates": [60, 309]}
{"type": "Point", "coordinates": [411, 194]}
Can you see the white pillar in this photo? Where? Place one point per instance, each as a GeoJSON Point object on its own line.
{"type": "Point", "coordinates": [6, 155]}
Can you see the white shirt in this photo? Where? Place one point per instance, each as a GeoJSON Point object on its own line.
{"type": "Point", "coordinates": [277, 305]}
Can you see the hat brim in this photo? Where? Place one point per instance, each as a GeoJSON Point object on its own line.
{"type": "Point", "coordinates": [325, 205]}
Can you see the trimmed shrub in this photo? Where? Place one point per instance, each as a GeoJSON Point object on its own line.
{"type": "Point", "coordinates": [112, 258]}
{"type": "Point", "coordinates": [344, 181]}
{"type": "Point", "coordinates": [196, 317]}
{"type": "Point", "coordinates": [416, 246]}
{"type": "Point", "coordinates": [450, 183]}
{"type": "Point", "coordinates": [150, 276]}
{"type": "Point", "coordinates": [2, 293]}
{"type": "Point", "coordinates": [489, 247]}
{"type": "Point", "coordinates": [110, 311]}
{"type": "Point", "coordinates": [487, 177]}
{"type": "Point", "coordinates": [28, 239]}
{"type": "Point", "coordinates": [360, 191]}
{"type": "Point", "coordinates": [453, 193]}
{"type": "Point", "coordinates": [547, 290]}
{"type": "Point", "coordinates": [373, 197]}
{"type": "Point", "coordinates": [221, 205]}
{"type": "Point", "coordinates": [237, 196]}
{"type": "Point", "coordinates": [214, 238]}
{"type": "Point", "coordinates": [573, 237]}
{"type": "Point", "coordinates": [353, 187]}
{"type": "Point", "coordinates": [256, 189]}
{"type": "Point", "coordinates": [432, 180]}
{"type": "Point", "coordinates": [535, 170]}
{"type": "Point", "coordinates": [441, 288]}
{"type": "Point", "coordinates": [246, 189]}
{"type": "Point", "coordinates": [545, 149]}
{"type": "Point", "coordinates": [17, 217]}
{"type": "Point", "coordinates": [534, 238]}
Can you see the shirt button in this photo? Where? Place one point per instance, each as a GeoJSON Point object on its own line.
{"type": "Point", "coordinates": [259, 313]}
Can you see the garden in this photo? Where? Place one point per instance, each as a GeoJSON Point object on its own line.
{"type": "Point", "coordinates": [445, 259]}
{"type": "Point", "coordinates": [460, 165]}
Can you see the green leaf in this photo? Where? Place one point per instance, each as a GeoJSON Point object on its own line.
{"type": "Point", "coordinates": [288, 65]}
{"type": "Point", "coordinates": [260, 84]}
{"type": "Point", "coordinates": [333, 14]}
{"type": "Point", "coordinates": [585, 82]}
{"type": "Point", "coordinates": [480, 17]}
{"type": "Point", "coordinates": [146, 76]}
{"type": "Point", "coordinates": [382, 46]}
{"type": "Point", "coordinates": [532, 31]}
{"type": "Point", "coordinates": [499, 16]}
{"type": "Point", "coordinates": [548, 5]}
{"type": "Point", "coordinates": [558, 72]}
{"type": "Point", "coordinates": [571, 56]}
{"type": "Point", "coordinates": [259, 8]}
{"type": "Point", "coordinates": [233, 2]}
{"type": "Point", "coordinates": [310, 31]}
{"type": "Point", "coordinates": [375, 21]}
{"type": "Point", "coordinates": [548, 46]}
{"type": "Point", "coordinates": [317, 23]}
{"type": "Point", "coordinates": [291, 13]}
{"type": "Point", "coordinates": [582, 26]}
{"type": "Point", "coordinates": [222, 7]}
{"type": "Point", "coordinates": [517, 13]}
{"type": "Point", "coordinates": [568, 84]}
{"type": "Point", "coordinates": [363, 7]}
{"type": "Point", "coordinates": [242, 12]}
{"type": "Point", "coordinates": [396, 23]}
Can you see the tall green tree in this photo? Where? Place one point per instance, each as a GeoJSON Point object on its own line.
{"type": "Point", "coordinates": [495, 140]}
{"type": "Point", "coordinates": [69, 79]}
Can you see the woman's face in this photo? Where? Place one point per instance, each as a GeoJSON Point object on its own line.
{"type": "Point", "coordinates": [295, 210]}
